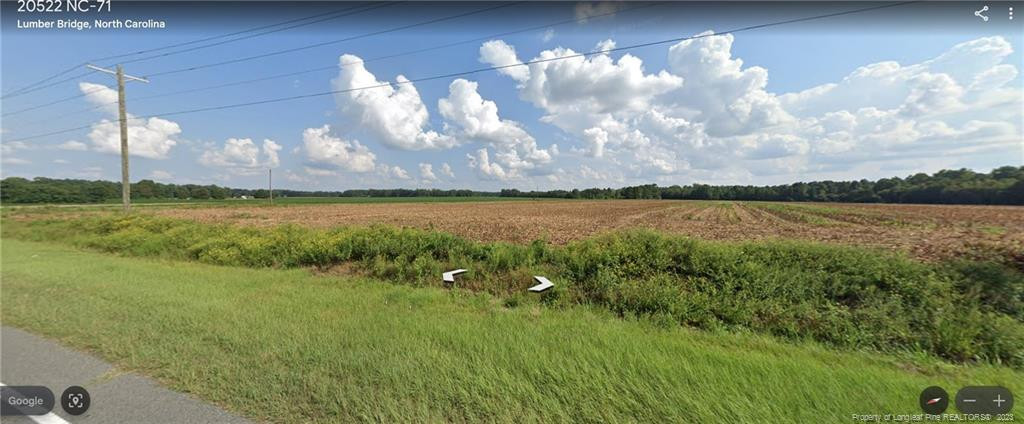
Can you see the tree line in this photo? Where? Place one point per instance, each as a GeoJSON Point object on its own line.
{"type": "Point", "coordinates": [1003, 185]}
{"type": "Point", "coordinates": [50, 190]}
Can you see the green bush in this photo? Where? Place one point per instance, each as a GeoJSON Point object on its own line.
{"type": "Point", "coordinates": [844, 296]}
{"type": "Point", "coordinates": [996, 286]}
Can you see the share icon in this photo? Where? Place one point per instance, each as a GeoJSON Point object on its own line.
{"type": "Point", "coordinates": [981, 13]}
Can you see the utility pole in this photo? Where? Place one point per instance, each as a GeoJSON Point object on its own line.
{"type": "Point", "coordinates": [126, 185]}
{"type": "Point", "coordinates": [270, 184]}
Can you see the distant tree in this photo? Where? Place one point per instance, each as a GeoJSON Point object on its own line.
{"type": "Point", "coordinates": [201, 193]}
{"type": "Point", "coordinates": [219, 192]}
{"type": "Point", "coordinates": [701, 192]}
{"type": "Point", "coordinates": [181, 192]}
{"type": "Point", "coordinates": [1008, 173]}
{"type": "Point", "coordinates": [145, 189]}
{"type": "Point", "coordinates": [1015, 193]}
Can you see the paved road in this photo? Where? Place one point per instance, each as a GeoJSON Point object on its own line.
{"type": "Point", "coordinates": [27, 359]}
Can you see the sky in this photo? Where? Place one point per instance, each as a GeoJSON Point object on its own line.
{"type": "Point", "coordinates": [889, 92]}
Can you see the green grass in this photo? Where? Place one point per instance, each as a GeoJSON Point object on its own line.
{"type": "Point", "coordinates": [286, 346]}
{"type": "Point", "coordinates": [994, 230]}
{"type": "Point", "coordinates": [846, 297]}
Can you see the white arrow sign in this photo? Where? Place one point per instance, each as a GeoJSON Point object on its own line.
{"type": "Point", "coordinates": [449, 277]}
{"type": "Point", "coordinates": [544, 284]}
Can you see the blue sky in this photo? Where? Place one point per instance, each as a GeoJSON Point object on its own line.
{"type": "Point", "coordinates": [910, 89]}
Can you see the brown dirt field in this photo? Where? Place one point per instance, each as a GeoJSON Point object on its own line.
{"type": "Point", "coordinates": [928, 232]}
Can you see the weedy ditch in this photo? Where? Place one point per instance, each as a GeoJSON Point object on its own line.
{"type": "Point", "coordinates": [847, 297]}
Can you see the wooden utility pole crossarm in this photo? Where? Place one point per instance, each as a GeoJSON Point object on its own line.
{"type": "Point", "coordinates": [122, 114]}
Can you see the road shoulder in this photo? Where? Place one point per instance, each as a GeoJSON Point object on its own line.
{"type": "Point", "coordinates": [27, 359]}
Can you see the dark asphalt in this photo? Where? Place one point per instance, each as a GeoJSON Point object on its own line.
{"type": "Point", "coordinates": [116, 397]}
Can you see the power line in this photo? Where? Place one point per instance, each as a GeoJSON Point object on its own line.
{"type": "Point", "coordinates": [64, 72]}
{"type": "Point", "coordinates": [62, 100]}
{"type": "Point", "coordinates": [265, 54]}
{"type": "Point", "coordinates": [100, 59]}
{"type": "Point", "coordinates": [492, 68]}
{"type": "Point", "coordinates": [171, 46]}
{"type": "Point", "coordinates": [324, 17]}
{"type": "Point", "coordinates": [343, 65]}
{"type": "Point", "coordinates": [326, 43]}
{"type": "Point", "coordinates": [37, 88]}
{"type": "Point", "coordinates": [191, 49]}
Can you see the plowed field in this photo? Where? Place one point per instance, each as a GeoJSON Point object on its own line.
{"type": "Point", "coordinates": [928, 232]}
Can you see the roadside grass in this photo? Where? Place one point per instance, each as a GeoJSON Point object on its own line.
{"type": "Point", "coordinates": [288, 346]}
{"type": "Point", "coordinates": [847, 297]}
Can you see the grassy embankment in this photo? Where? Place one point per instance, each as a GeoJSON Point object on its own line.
{"type": "Point", "coordinates": [846, 297]}
{"type": "Point", "coordinates": [290, 346]}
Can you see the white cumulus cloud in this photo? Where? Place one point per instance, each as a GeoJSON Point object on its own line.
{"type": "Point", "coordinates": [150, 138]}
{"type": "Point", "coordinates": [500, 53]}
{"type": "Point", "coordinates": [719, 92]}
{"type": "Point", "coordinates": [709, 114]}
{"type": "Point", "coordinates": [324, 149]}
{"type": "Point", "coordinates": [477, 119]}
{"type": "Point", "coordinates": [446, 170]}
{"type": "Point", "coordinates": [576, 92]}
{"type": "Point", "coordinates": [242, 156]}
{"type": "Point", "coordinates": [393, 113]}
{"type": "Point", "coordinates": [485, 168]}
{"type": "Point", "coordinates": [393, 172]}
{"type": "Point", "coordinates": [427, 172]}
